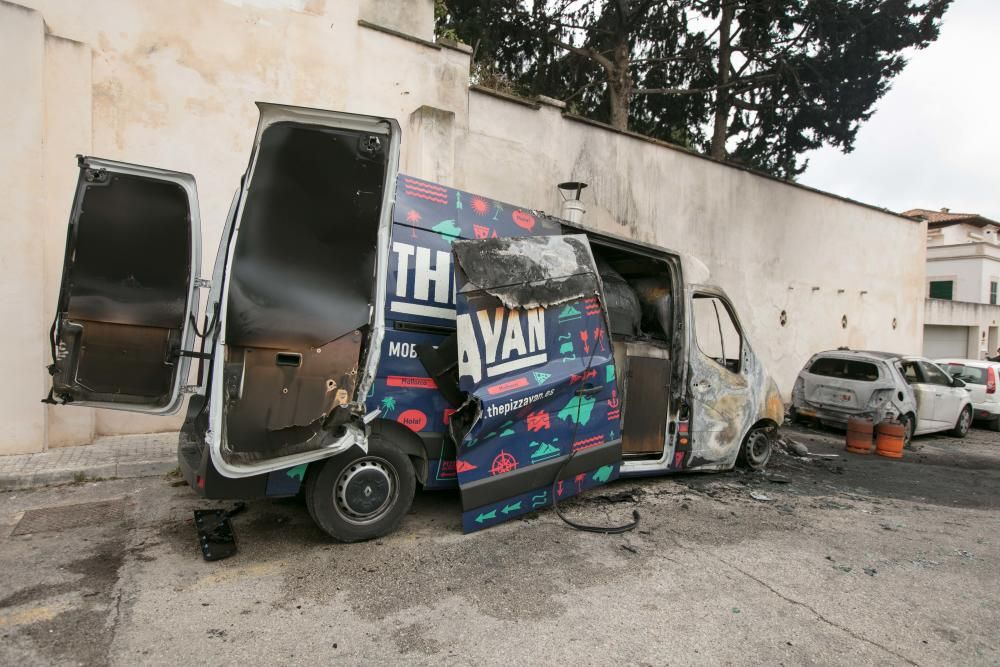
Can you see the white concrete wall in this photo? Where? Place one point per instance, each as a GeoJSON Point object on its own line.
{"type": "Point", "coordinates": [68, 126]}
{"type": "Point", "coordinates": [173, 85]}
{"type": "Point", "coordinates": [22, 121]}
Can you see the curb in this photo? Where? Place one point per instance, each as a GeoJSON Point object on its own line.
{"type": "Point", "coordinates": [124, 470]}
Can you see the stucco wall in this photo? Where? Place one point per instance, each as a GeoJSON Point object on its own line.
{"type": "Point", "coordinates": [173, 85]}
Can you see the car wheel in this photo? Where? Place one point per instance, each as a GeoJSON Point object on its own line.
{"type": "Point", "coordinates": [357, 496]}
{"type": "Point", "coordinates": [756, 449]}
{"type": "Point", "coordinates": [995, 424]}
{"type": "Point", "coordinates": [963, 423]}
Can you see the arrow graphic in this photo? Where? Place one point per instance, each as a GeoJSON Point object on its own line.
{"type": "Point", "coordinates": [492, 514]}
{"type": "Point", "coordinates": [511, 508]}
{"type": "Point", "coordinates": [603, 474]}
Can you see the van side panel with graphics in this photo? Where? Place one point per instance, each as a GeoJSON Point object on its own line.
{"type": "Point", "coordinates": [365, 331]}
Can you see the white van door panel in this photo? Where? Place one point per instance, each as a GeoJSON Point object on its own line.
{"type": "Point", "coordinates": [303, 290]}
{"type": "Point", "coordinates": [124, 325]}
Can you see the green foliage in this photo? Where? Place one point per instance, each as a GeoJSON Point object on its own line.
{"type": "Point", "coordinates": [802, 73]}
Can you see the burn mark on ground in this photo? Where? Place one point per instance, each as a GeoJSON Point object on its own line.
{"type": "Point", "coordinates": [72, 616]}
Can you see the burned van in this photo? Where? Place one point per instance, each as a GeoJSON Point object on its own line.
{"type": "Point", "coordinates": [364, 332]}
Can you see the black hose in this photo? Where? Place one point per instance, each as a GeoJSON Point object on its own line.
{"type": "Point", "coordinates": [607, 530]}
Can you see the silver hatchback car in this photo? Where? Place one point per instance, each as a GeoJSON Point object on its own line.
{"type": "Point", "coordinates": [837, 385]}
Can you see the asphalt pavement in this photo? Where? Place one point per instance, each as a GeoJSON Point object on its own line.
{"type": "Point", "coordinates": [853, 560]}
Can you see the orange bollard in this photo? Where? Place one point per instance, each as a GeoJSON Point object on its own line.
{"type": "Point", "coordinates": [859, 435]}
{"type": "Point", "coordinates": [889, 441]}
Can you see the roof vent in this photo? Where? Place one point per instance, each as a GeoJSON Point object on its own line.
{"type": "Point", "coordinates": [572, 208]}
{"type": "Point", "coordinates": [945, 210]}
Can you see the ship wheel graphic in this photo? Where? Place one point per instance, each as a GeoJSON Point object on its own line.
{"type": "Point", "coordinates": [504, 462]}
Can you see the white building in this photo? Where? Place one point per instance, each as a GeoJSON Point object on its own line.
{"type": "Point", "coordinates": [961, 314]}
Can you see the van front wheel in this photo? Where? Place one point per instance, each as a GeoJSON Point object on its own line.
{"type": "Point", "coordinates": [357, 496]}
{"type": "Point", "coordinates": [756, 449]}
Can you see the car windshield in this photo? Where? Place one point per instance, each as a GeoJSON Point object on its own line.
{"type": "Point", "coordinates": [847, 369]}
{"type": "Point", "coordinates": [968, 374]}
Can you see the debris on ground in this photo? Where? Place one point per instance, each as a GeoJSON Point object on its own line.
{"type": "Point", "coordinates": [757, 495]}
{"type": "Point", "coordinates": [798, 449]}
{"type": "Point", "coordinates": [792, 447]}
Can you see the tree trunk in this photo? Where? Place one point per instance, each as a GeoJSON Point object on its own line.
{"type": "Point", "coordinates": [620, 85]}
{"type": "Point", "coordinates": [723, 101]}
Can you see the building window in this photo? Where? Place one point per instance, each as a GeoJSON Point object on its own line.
{"type": "Point", "coordinates": [941, 289]}
{"type": "Point", "coordinates": [993, 292]}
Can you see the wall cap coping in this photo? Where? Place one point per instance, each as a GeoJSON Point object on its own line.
{"type": "Point", "coordinates": [551, 101]}
{"type": "Point", "coordinates": [955, 303]}
{"type": "Point", "coordinates": [455, 45]}
{"type": "Point", "coordinates": [396, 33]}
{"type": "Point", "coordinates": [509, 97]}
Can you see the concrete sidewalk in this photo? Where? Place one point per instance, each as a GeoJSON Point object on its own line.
{"type": "Point", "coordinates": [109, 456]}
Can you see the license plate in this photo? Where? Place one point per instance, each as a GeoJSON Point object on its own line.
{"type": "Point", "coordinates": [836, 397]}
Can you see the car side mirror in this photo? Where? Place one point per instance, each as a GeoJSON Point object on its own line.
{"type": "Point", "coordinates": [955, 382]}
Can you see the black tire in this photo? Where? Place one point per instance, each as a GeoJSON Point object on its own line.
{"type": "Point", "coordinates": [995, 424]}
{"type": "Point", "coordinates": [909, 426]}
{"type": "Point", "coordinates": [963, 423]}
{"type": "Point", "coordinates": [756, 449]}
{"type": "Point", "coordinates": [356, 496]}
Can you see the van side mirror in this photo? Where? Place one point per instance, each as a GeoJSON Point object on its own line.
{"type": "Point", "coordinates": [955, 382]}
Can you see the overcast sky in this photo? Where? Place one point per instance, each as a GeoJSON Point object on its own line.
{"type": "Point", "coordinates": [934, 140]}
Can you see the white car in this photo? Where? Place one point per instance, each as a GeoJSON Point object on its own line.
{"type": "Point", "coordinates": [980, 378]}
{"type": "Point", "coordinates": [838, 384]}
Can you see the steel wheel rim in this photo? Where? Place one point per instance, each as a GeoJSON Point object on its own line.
{"type": "Point", "coordinates": [758, 448]}
{"type": "Point", "coordinates": [365, 490]}
{"type": "Point", "coordinates": [964, 420]}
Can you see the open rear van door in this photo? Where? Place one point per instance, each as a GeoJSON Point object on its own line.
{"type": "Point", "coordinates": [127, 300]}
{"type": "Point", "coordinates": [536, 363]}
